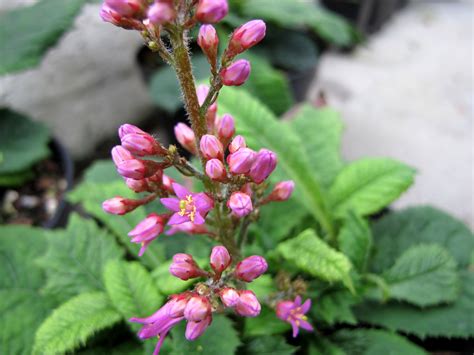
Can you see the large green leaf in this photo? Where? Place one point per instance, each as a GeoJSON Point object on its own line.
{"type": "Point", "coordinates": [320, 131]}
{"type": "Point", "coordinates": [23, 142]}
{"type": "Point", "coordinates": [355, 240]}
{"type": "Point", "coordinates": [424, 275]}
{"type": "Point", "coordinates": [262, 129]}
{"type": "Point", "coordinates": [334, 306]}
{"type": "Point", "coordinates": [219, 339]}
{"type": "Point", "coordinates": [27, 33]}
{"type": "Point", "coordinates": [454, 320]}
{"type": "Point", "coordinates": [314, 256]}
{"type": "Point", "coordinates": [76, 257]}
{"type": "Point", "coordinates": [22, 306]}
{"type": "Point", "coordinates": [91, 195]}
{"type": "Point", "coordinates": [398, 231]}
{"type": "Point", "coordinates": [72, 323]}
{"type": "Point", "coordinates": [269, 345]}
{"type": "Point", "coordinates": [368, 185]}
{"type": "Point", "coordinates": [375, 342]}
{"type": "Point", "coordinates": [131, 289]}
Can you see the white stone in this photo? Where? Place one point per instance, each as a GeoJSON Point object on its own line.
{"type": "Point", "coordinates": [408, 94]}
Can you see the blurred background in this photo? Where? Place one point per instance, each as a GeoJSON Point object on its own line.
{"type": "Point", "coordinates": [400, 72]}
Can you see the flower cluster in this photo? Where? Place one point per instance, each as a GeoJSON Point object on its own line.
{"type": "Point", "coordinates": [235, 177]}
{"type": "Point", "coordinates": [216, 293]}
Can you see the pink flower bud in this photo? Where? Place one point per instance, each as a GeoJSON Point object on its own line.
{"type": "Point", "coordinates": [245, 37]}
{"type": "Point", "coordinates": [202, 91]}
{"type": "Point", "coordinates": [216, 170]}
{"type": "Point", "coordinates": [220, 259]}
{"type": "Point", "coordinates": [211, 147]}
{"type": "Point", "coordinates": [161, 12]}
{"type": "Point", "coordinates": [184, 267]}
{"type": "Point", "coordinates": [211, 11]}
{"type": "Point", "coordinates": [195, 329]}
{"type": "Point", "coordinates": [129, 129]}
{"type": "Point", "coordinates": [208, 41]}
{"type": "Point", "coordinates": [177, 305]}
{"type": "Point", "coordinates": [109, 15]}
{"type": "Point", "coordinates": [240, 204]}
{"type": "Point", "coordinates": [185, 136]}
{"type": "Point", "coordinates": [119, 205]}
{"type": "Point", "coordinates": [237, 143]}
{"type": "Point", "coordinates": [236, 74]}
{"type": "Point", "coordinates": [128, 8]}
{"type": "Point", "coordinates": [197, 308]}
{"type": "Point", "coordinates": [250, 268]}
{"type": "Point", "coordinates": [137, 185]}
{"type": "Point", "coordinates": [264, 164]}
{"type": "Point", "coordinates": [141, 144]}
{"type": "Point", "coordinates": [248, 305]}
{"type": "Point", "coordinates": [147, 230]}
{"type": "Point", "coordinates": [229, 297]}
{"type": "Point", "coordinates": [226, 128]}
{"type": "Point", "coordinates": [241, 161]}
{"type": "Point", "coordinates": [120, 154]}
{"type": "Point", "coordinates": [168, 183]}
{"type": "Point", "coordinates": [282, 191]}
{"type": "Point", "coordinates": [137, 169]}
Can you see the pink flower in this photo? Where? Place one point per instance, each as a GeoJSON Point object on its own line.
{"type": "Point", "coordinates": [141, 144]}
{"type": "Point", "coordinates": [264, 164]}
{"type": "Point", "coordinates": [237, 143]}
{"type": "Point", "coordinates": [241, 160]}
{"type": "Point", "coordinates": [195, 329]}
{"type": "Point", "coordinates": [225, 128]}
{"type": "Point", "coordinates": [119, 205]}
{"type": "Point", "coordinates": [245, 37]}
{"type": "Point", "coordinates": [202, 91]}
{"type": "Point", "coordinates": [185, 136]}
{"type": "Point", "coordinates": [188, 207]}
{"type": "Point", "coordinates": [157, 325]}
{"type": "Point", "coordinates": [250, 268]}
{"type": "Point", "coordinates": [137, 185]}
{"type": "Point", "coordinates": [109, 15]}
{"type": "Point", "coordinates": [294, 313]}
{"type": "Point", "coordinates": [236, 74]}
{"type": "Point", "coordinates": [220, 259]}
{"type": "Point", "coordinates": [137, 169]}
{"type": "Point", "coordinates": [161, 12]}
{"type": "Point", "coordinates": [229, 297]}
{"type": "Point", "coordinates": [211, 11]}
{"type": "Point", "coordinates": [248, 305]}
{"type": "Point", "coordinates": [127, 8]}
{"type": "Point", "coordinates": [216, 170]}
{"type": "Point", "coordinates": [120, 154]}
{"type": "Point", "coordinates": [184, 267]}
{"type": "Point", "coordinates": [147, 230]}
{"type": "Point", "coordinates": [128, 128]}
{"type": "Point", "coordinates": [282, 191]}
{"type": "Point", "coordinates": [197, 309]}
{"type": "Point", "coordinates": [208, 41]}
{"type": "Point", "coordinates": [211, 147]}
{"type": "Point", "coordinates": [240, 204]}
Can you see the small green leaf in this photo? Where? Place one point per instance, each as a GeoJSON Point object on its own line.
{"type": "Point", "coordinates": [368, 185]}
{"type": "Point", "coordinates": [267, 323]}
{"type": "Point", "coordinates": [424, 275]}
{"type": "Point", "coordinates": [28, 32]}
{"type": "Point", "coordinates": [398, 231]}
{"type": "Point", "coordinates": [131, 289]}
{"type": "Point", "coordinates": [219, 339]}
{"type": "Point", "coordinates": [269, 345]}
{"type": "Point", "coordinates": [70, 325]}
{"type": "Point", "coordinates": [355, 240]}
{"type": "Point", "coordinates": [314, 256]}
{"type": "Point", "coordinates": [262, 286]}
{"type": "Point", "coordinates": [374, 342]}
{"type": "Point", "coordinates": [76, 257]}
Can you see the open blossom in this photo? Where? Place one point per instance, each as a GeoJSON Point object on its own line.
{"type": "Point", "coordinates": [188, 207]}
{"type": "Point", "coordinates": [147, 230]}
{"type": "Point", "coordinates": [294, 312]}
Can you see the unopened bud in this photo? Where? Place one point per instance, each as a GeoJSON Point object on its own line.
{"type": "Point", "coordinates": [128, 8]}
{"type": "Point", "coordinates": [250, 268]}
{"type": "Point", "coordinates": [197, 308]}
{"type": "Point", "coordinates": [245, 37]}
{"type": "Point", "coordinates": [208, 41]}
{"type": "Point", "coordinates": [119, 205]}
{"type": "Point", "coordinates": [195, 329]}
{"type": "Point", "coordinates": [137, 169]}
{"type": "Point", "coordinates": [216, 170]}
{"type": "Point", "coordinates": [236, 74]}
{"type": "Point", "coordinates": [241, 161]}
{"type": "Point", "coordinates": [177, 305]}
{"type": "Point", "coordinates": [248, 305]}
{"type": "Point", "coordinates": [137, 185]}
{"type": "Point", "coordinates": [240, 204]}
{"type": "Point", "coordinates": [120, 154]}
{"type": "Point", "coordinates": [237, 143]}
{"type": "Point", "coordinates": [129, 129]}
{"type": "Point", "coordinates": [282, 191]}
{"type": "Point", "coordinates": [184, 267]}
{"type": "Point", "coordinates": [229, 297]}
{"type": "Point", "coordinates": [109, 15]}
{"type": "Point", "coordinates": [161, 12]}
{"type": "Point", "coordinates": [264, 164]}
{"type": "Point", "coordinates": [220, 259]}
{"type": "Point", "coordinates": [168, 183]}
{"type": "Point", "coordinates": [211, 11]}
{"type": "Point", "coordinates": [225, 128]}
{"type": "Point", "coordinates": [147, 230]}
{"type": "Point", "coordinates": [185, 136]}
{"type": "Point", "coordinates": [202, 91]}
{"type": "Point", "coordinates": [141, 144]}
{"type": "Point", "coordinates": [211, 147]}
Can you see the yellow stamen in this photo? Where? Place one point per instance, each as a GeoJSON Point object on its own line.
{"type": "Point", "coordinates": [186, 207]}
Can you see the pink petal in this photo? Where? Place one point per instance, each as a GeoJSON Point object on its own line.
{"type": "Point", "coordinates": [203, 202]}
{"type": "Point", "coordinates": [143, 248]}
{"type": "Point", "coordinates": [305, 325]}
{"type": "Point", "coordinates": [295, 328]}
{"type": "Point", "coordinates": [306, 306]}
{"type": "Point", "coordinates": [176, 218]}
{"type": "Point", "coordinates": [297, 301]}
{"type": "Point", "coordinates": [180, 191]}
{"type": "Point", "coordinates": [171, 203]}
{"type": "Point", "coordinates": [198, 219]}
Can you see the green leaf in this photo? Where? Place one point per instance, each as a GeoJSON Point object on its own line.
{"type": "Point", "coordinates": [262, 129]}
{"type": "Point", "coordinates": [262, 286]}
{"type": "Point", "coordinates": [335, 307]}
{"type": "Point", "coordinates": [219, 339]}
{"type": "Point", "coordinates": [355, 240]}
{"type": "Point", "coordinates": [27, 33]}
{"type": "Point", "coordinates": [22, 142]}
{"type": "Point", "coordinates": [16, 179]}
{"type": "Point", "coordinates": [22, 306]}
{"type": "Point", "coordinates": [269, 345]}
{"type": "Point", "coordinates": [374, 342]}
{"type": "Point", "coordinates": [267, 323]}
{"type": "Point", "coordinates": [454, 320]}
{"type": "Point", "coordinates": [424, 275]}
{"type": "Point", "coordinates": [131, 289]}
{"type": "Point", "coordinates": [91, 195]}
{"type": "Point", "coordinates": [320, 132]}
{"type": "Point", "coordinates": [398, 231]}
{"type": "Point", "coordinates": [322, 346]}
{"type": "Point", "coordinates": [76, 257]}
{"type": "Point", "coordinates": [102, 171]}
{"type": "Point", "coordinates": [314, 256]}
{"type": "Point", "coordinates": [72, 323]}
{"type": "Point", "coordinates": [166, 283]}
{"type": "Point", "coordinates": [368, 185]}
